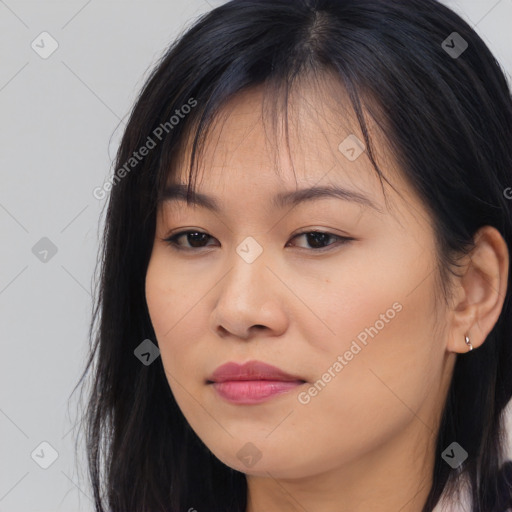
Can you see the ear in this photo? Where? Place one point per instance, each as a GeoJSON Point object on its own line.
{"type": "Point", "coordinates": [480, 293]}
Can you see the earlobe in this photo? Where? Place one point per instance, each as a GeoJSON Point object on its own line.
{"type": "Point", "coordinates": [481, 291]}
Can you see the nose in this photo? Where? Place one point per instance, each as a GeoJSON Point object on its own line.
{"type": "Point", "coordinates": [250, 300]}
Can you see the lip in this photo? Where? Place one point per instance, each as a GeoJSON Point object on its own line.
{"type": "Point", "coordinates": [252, 382]}
{"type": "Point", "coordinates": [252, 370]}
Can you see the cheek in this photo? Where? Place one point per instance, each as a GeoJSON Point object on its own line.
{"type": "Point", "coordinates": [382, 386]}
{"type": "Point", "coordinates": [379, 321]}
{"type": "Point", "coordinates": [385, 297]}
{"type": "Point", "coordinates": [360, 302]}
{"type": "Point", "coordinates": [173, 302]}
{"type": "Point", "coordinates": [158, 298]}
{"type": "Point", "coordinates": [170, 295]}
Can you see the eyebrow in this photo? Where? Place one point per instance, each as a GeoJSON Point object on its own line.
{"type": "Point", "coordinates": [178, 192]}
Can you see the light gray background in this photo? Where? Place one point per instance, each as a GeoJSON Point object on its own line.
{"type": "Point", "coordinates": [61, 121]}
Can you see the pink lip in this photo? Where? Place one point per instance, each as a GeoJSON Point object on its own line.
{"type": "Point", "coordinates": [251, 383]}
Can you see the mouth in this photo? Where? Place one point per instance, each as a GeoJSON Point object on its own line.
{"type": "Point", "coordinates": [251, 383]}
{"type": "Point", "coordinates": [251, 371]}
{"type": "Point", "coordinates": [246, 392]}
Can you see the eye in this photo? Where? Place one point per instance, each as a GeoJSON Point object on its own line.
{"type": "Point", "coordinates": [196, 239]}
{"type": "Point", "coordinates": [318, 239]}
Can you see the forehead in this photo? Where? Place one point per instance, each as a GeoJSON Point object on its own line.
{"type": "Point", "coordinates": [243, 147]}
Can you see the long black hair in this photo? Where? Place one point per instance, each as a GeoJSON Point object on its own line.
{"type": "Point", "coordinates": [445, 108]}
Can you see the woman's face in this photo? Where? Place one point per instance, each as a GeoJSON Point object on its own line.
{"type": "Point", "coordinates": [351, 319]}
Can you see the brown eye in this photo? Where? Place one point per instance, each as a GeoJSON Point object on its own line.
{"type": "Point", "coordinates": [196, 239]}
{"type": "Point", "coordinates": [318, 240]}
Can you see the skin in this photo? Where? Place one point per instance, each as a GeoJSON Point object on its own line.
{"type": "Point", "coordinates": [366, 440]}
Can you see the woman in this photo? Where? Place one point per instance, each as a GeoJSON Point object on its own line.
{"type": "Point", "coordinates": [324, 321]}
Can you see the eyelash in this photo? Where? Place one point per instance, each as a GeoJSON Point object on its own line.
{"type": "Point", "coordinates": [172, 240]}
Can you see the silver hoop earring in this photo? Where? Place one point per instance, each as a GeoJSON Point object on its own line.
{"type": "Point", "coordinates": [468, 343]}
